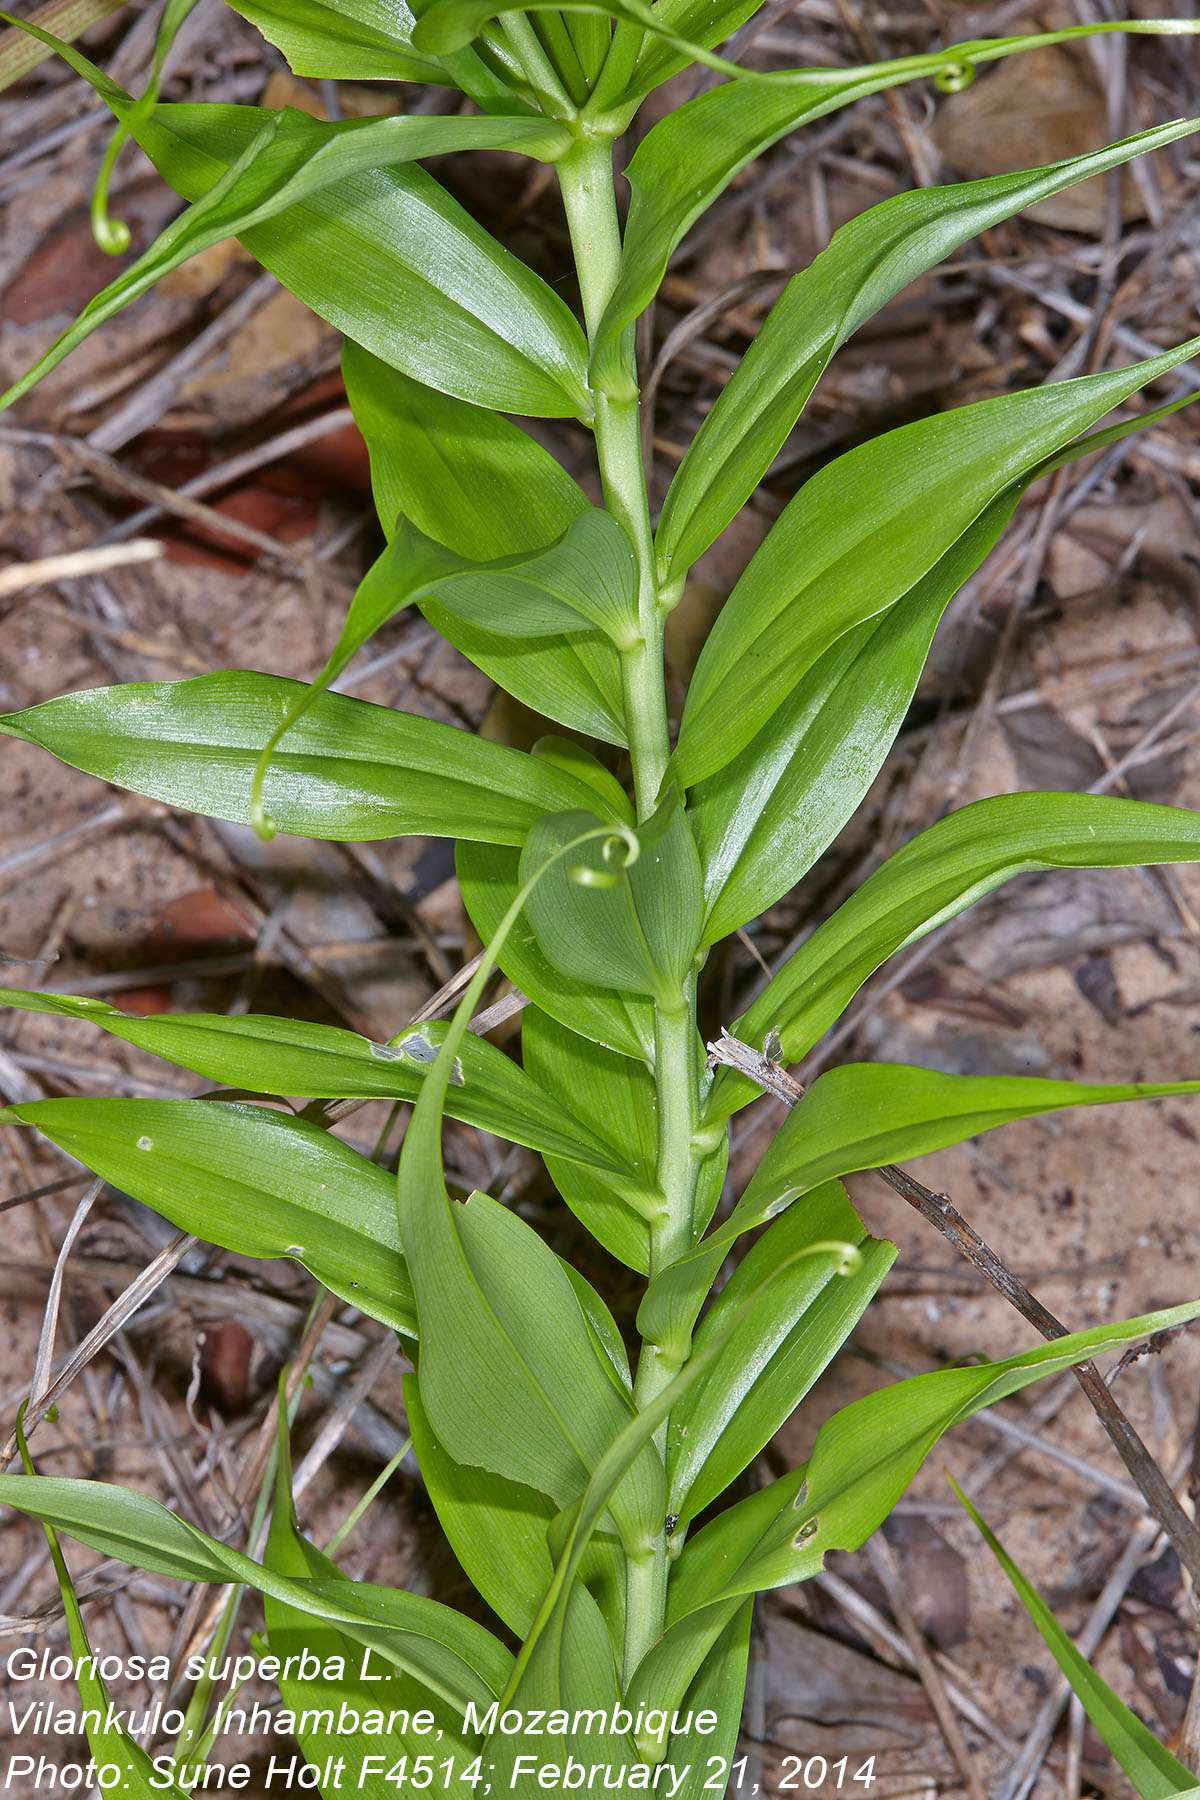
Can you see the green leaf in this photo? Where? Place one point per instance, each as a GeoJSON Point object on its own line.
{"type": "Point", "coordinates": [479, 484]}
{"type": "Point", "coordinates": [295, 1057]}
{"type": "Point", "coordinates": [933, 878]}
{"type": "Point", "coordinates": [496, 1528]}
{"type": "Point", "coordinates": [543, 1669]}
{"type": "Point", "coordinates": [779, 1347]}
{"type": "Point", "coordinates": [587, 580]}
{"type": "Point", "coordinates": [498, 1531]}
{"type": "Point", "coordinates": [575, 1674]}
{"type": "Point", "coordinates": [867, 263]}
{"type": "Point", "coordinates": [381, 252]}
{"type": "Point", "coordinates": [615, 1097]}
{"type": "Point", "coordinates": [522, 1391]}
{"type": "Point", "coordinates": [348, 770]}
{"type": "Point", "coordinates": [448, 24]}
{"type": "Point", "coordinates": [465, 476]}
{"type": "Point", "coordinates": [1154, 1772]}
{"type": "Point", "coordinates": [859, 536]}
{"type": "Point", "coordinates": [398, 266]}
{"type": "Point", "coordinates": [348, 1686]}
{"type": "Point", "coordinates": [286, 163]}
{"type": "Point", "coordinates": [258, 1182]}
{"type": "Point", "coordinates": [367, 40]}
{"type": "Point", "coordinates": [687, 159]}
{"type": "Point", "coordinates": [605, 1332]}
{"type": "Point", "coordinates": [634, 928]}
{"type": "Point", "coordinates": [443, 1649]}
{"type": "Point", "coordinates": [528, 1392]}
{"type": "Point", "coordinates": [861, 1116]}
{"type": "Point", "coordinates": [111, 1747]}
{"type": "Point", "coordinates": [590, 930]}
{"type": "Point", "coordinates": [720, 1688]}
{"type": "Point", "coordinates": [762, 821]}
{"type": "Point", "coordinates": [867, 1454]}
{"type": "Point", "coordinates": [864, 1115]}
{"type": "Point", "coordinates": [862, 1463]}
{"type": "Point", "coordinates": [576, 759]}
{"type": "Point", "coordinates": [584, 582]}
{"type": "Point", "coordinates": [624, 1023]}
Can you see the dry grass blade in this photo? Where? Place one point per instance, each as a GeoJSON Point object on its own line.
{"type": "Point", "coordinates": [45, 1349]}
{"type": "Point", "coordinates": [73, 563]}
{"type": "Point", "coordinates": [20, 54]}
{"type": "Point", "coordinates": [118, 1314]}
{"type": "Point", "coordinates": [340, 1416]}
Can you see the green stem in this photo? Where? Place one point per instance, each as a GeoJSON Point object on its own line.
{"type": "Point", "coordinates": [586, 178]}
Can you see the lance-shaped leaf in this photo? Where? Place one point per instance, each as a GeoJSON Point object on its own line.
{"type": "Point", "coordinates": [577, 760]}
{"type": "Point", "coordinates": [479, 484]}
{"type": "Point", "coordinates": [587, 581]}
{"type": "Point", "coordinates": [111, 1746]}
{"type": "Point", "coordinates": [258, 1182]}
{"type": "Point", "coordinates": [499, 1532]}
{"type": "Point", "coordinates": [719, 1688]}
{"type": "Point", "coordinates": [450, 1654]}
{"type": "Point", "coordinates": [496, 1528]}
{"type": "Point", "coordinates": [368, 40]}
{"type": "Point", "coordinates": [866, 264]}
{"type": "Point", "coordinates": [615, 1095]}
{"type": "Point", "coordinates": [542, 1673]}
{"type": "Point", "coordinates": [489, 879]}
{"type": "Point", "coordinates": [326, 1704]}
{"type": "Point", "coordinates": [862, 533]}
{"type": "Point", "coordinates": [862, 1116]}
{"type": "Point", "coordinates": [635, 928]}
{"type": "Point", "coordinates": [781, 1344]}
{"type": "Point", "coordinates": [690, 157]}
{"type": "Point", "coordinates": [398, 266]}
{"type": "Point", "coordinates": [346, 770]}
{"type": "Point", "coordinates": [518, 1389]}
{"type": "Point", "coordinates": [296, 1057]}
{"type": "Point", "coordinates": [364, 40]}
{"type": "Point", "coordinates": [934, 877]}
{"type": "Point", "coordinates": [526, 1391]}
{"type": "Point", "coordinates": [1154, 1772]}
{"type": "Point", "coordinates": [862, 1463]}
{"type": "Point", "coordinates": [762, 820]}
{"type": "Point", "coordinates": [288, 163]}
{"type": "Point", "coordinates": [474, 481]}
{"type": "Point", "coordinates": [684, 31]}
{"type": "Point", "coordinates": [383, 252]}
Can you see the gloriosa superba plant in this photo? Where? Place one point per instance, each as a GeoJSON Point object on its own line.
{"type": "Point", "coordinates": [568, 1483]}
